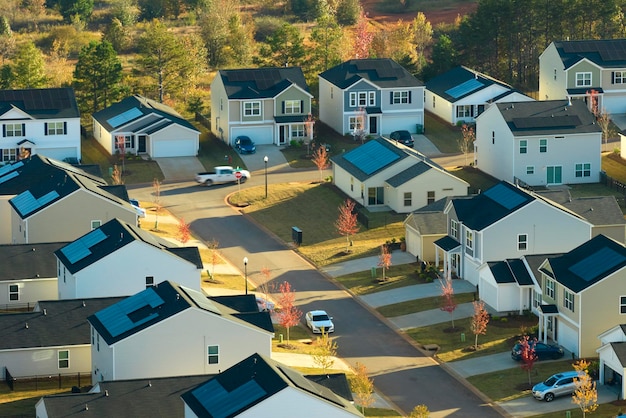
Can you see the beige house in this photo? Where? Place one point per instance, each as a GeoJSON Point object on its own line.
{"type": "Point", "coordinates": [423, 227]}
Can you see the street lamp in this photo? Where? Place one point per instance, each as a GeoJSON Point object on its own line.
{"type": "Point", "coordinates": [266, 160]}
{"type": "Point", "coordinates": [245, 272]}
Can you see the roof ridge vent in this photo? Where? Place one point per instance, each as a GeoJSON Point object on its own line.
{"type": "Point", "coordinates": [149, 383]}
{"type": "Point", "coordinates": [106, 393]}
{"type": "Point", "coordinates": [45, 311]}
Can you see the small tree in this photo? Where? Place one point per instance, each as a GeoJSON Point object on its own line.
{"type": "Point", "coordinates": [213, 245]}
{"type": "Point", "coordinates": [156, 187]}
{"type": "Point", "coordinates": [184, 231]}
{"type": "Point", "coordinates": [324, 352]}
{"type": "Point", "coordinates": [359, 126]}
{"type": "Point", "coordinates": [116, 177]}
{"type": "Point", "coordinates": [586, 393]}
{"type": "Point", "coordinates": [479, 321]}
{"type": "Point", "coordinates": [602, 117]}
{"type": "Point", "coordinates": [420, 411]}
{"type": "Point", "coordinates": [384, 260]}
{"type": "Point", "coordinates": [309, 122]}
{"type": "Point", "coordinates": [528, 356]}
{"type": "Point", "coordinates": [347, 224]}
{"type": "Point", "coordinates": [448, 304]}
{"type": "Point", "coordinates": [466, 142]}
{"type": "Point", "coordinates": [320, 158]}
{"type": "Point", "coordinates": [363, 38]}
{"type": "Point", "coordinates": [289, 314]}
{"type": "Point", "coordinates": [120, 144]}
{"type": "Point", "coordinates": [363, 387]}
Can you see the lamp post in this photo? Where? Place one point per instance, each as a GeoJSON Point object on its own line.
{"type": "Point", "coordinates": [265, 159]}
{"type": "Point", "coordinates": [245, 272]}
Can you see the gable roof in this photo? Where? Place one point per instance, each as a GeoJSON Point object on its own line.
{"type": "Point", "coordinates": [53, 103]}
{"type": "Point", "coordinates": [112, 236]}
{"type": "Point", "coordinates": [548, 117]}
{"type": "Point", "coordinates": [138, 114]}
{"type": "Point", "coordinates": [461, 82]}
{"type": "Point", "coordinates": [54, 323]}
{"type": "Point", "coordinates": [251, 382]}
{"type": "Point", "coordinates": [370, 158]}
{"type": "Point", "coordinates": [607, 53]}
{"type": "Point", "coordinates": [28, 261]}
{"type": "Point", "coordinates": [382, 72]}
{"type": "Point", "coordinates": [598, 210]}
{"type": "Point", "coordinates": [261, 83]}
{"type": "Point", "coordinates": [156, 304]}
{"type": "Point", "coordinates": [409, 174]}
{"type": "Point", "coordinates": [430, 219]}
{"type": "Point", "coordinates": [588, 263]}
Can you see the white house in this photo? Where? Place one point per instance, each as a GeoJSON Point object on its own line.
{"type": "Point", "coordinates": [138, 258]}
{"type": "Point", "coordinates": [203, 335]}
{"type": "Point", "coordinates": [612, 354]}
{"type": "Point", "coordinates": [39, 121]}
{"type": "Point", "coordinates": [540, 143]}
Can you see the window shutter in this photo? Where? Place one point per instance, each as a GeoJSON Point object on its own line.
{"type": "Point", "coordinates": [283, 106]}
{"type": "Point", "coordinates": [24, 129]}
{"type": "Point", "coordinates": [132, 142]}
{"type": "Point", "coordinates": [4, 130]}
{"type": "Point", "coordinates": [410, 96]}
{"type": "Point", "coordinates": [301, 106]}
{"type": "Point", "coordinates": [64, 128]}
{"type": "Point", "coordinates": [612, 77]}
{"type": "Point", "coordinates": [391, 97]}
{"type": "Point", "coordinates": [45, 128]}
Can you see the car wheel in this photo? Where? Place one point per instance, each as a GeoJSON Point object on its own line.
{"type": "Point", "coordinates": [549, 397]}
{"type": "Point", "coordinates": [243, 179]}
{"type": "Point", "coordinates": [208, 183]}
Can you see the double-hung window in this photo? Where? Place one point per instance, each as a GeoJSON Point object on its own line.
{"type": "Point", "coordinates": [464, 111]}
{"type": "Point", "coordinates": [13, 129]}
{"type": "Point", "coordinates": [469, 242]}
{"type": "Point", "coordinates": [8, 155]}
{"type": "Point", "coordinates": [550, 288]}
{"type": "Point", "coordinates": [543, 145]}
{"type": "Point", "coordinates": [523, 146]}
{"type": "Point", "coordinates": [454, 232]}
{"type": "Point", "coordinates": [213, 354]}
{"type": "Point", "coordinates": [252, 108]}
{"type": "Point", "coordinates": [14, 292]}
{"type": "Point", "coordinates": [355, 122]}
{"type": "Point", "coordinates": [583, 170]}
{"type": "Point", "coordinates": [622, 305]}
{"type": "Point", "coordinates": [64, 359]}
{"type": "Point", "coordinates": [619, 77]}
{"type": "Point", "coordinates": [522, 242]}
{"type": "Point", "coordinates": [401, 97]}
{"type": "Point", "coordinates": [292, 107]}
{"type": "Point", "coordinates": [568, 300]}
{"type": "Point", "coordinates": [298, 131]}
{"type": "Point", "coordinates": [55, 128]}
{"type": "Point", "coordinates": [362, 98]}
{"type": "Point", "coordinates": [149, 281]}
{"type": "Point", "coordinates": [583, 79]}
{"type": "Point", "coordinates": [408, 201]}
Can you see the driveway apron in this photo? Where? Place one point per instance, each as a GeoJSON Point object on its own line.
{"type": "Point", "coordinates": [179, 168]}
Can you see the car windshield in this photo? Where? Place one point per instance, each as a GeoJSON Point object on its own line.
{"type": "Point", "coordinates": [550, 381]}
{"type": "Point", "coordinates": [320, 318]}
{"type": "Point", "coordinates": [404, 135]}
{"type": "Point", "coordinates": [245, 141]}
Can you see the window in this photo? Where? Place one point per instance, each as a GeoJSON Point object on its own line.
{"type": "Point", "coordinates": [98, 342]}
{"type": "Point", "coordinates": [568, 300]}
{"type": "Point", "coordinates": [622, 304]}
{"type": "Point", "coordinates": [543, 145]}
{"type": "Point", "coordinates": [128, 141]}
{"type": "Point", "coordinates": [149, 281]}
{"type": "Point", "coordinates": [14, 292]}
{"type": "Point", "coordinates": [555, 73]}
{"type": "Point", "coordinates": [252, 108]}
{"type": "Point", "coordinates": [298, 131]}
{"type": "Point", "coordinates": [362, 99]}
{"type": "Point", "coordinates": [375, 195]}
{"type": "Point", "coordinates": [464, 111]}
{"type": "Point", "coordinates": [433, 102]}
{"type": "Point", "coordinates": [619, 77]}
{"type": "Point", "coordinates": [469, 242]}
{"type": "Point", "coordinates": [430, 197]}
{"type": "Point", "coordinates": [408, 198]}
{"type": "Point", "coordinates": [351, 184]}
{"type": "Point", "coordinates": [493, 137]}
{"type": "Point", "coordinates": [8, 154]}
{"type": "Point", "coordinates": [355, 122]}
{"type": "Point", "coordinates": [14, 129]}
{"type": "Point", "coordinates": [64, 359]}
{"type": "Point", "coordinates": [583, 79]}
{"type": "Point", "coordinates": [95, 224]}
{"type": "Point", "coordinates": [550, 288]}
{"type": "Point", "coordinates": [522, 242]}
{"type": "Point", "coordinates": [530, 169]}
{"type": "Point", "coordinates": [213, 354]}
{"type": "Point", "coordinates": [583, 170]}
{"type": "Point", "coordinates": [536, 299]}
{"type": "Point", "coordinates": [55, 128]}
{"type": "Point", "coordinates": [399, 97]}
{"type": "Point", "coordinates": [371, 98]}
{"type": "Point", "coordinates": [454, 232]}
{"type": "Point", "coordinates": [93, 336]}
{"type": "Point", "coordinates": [523, 146]}
{"type": "Point", "coordinates": [292, 106]}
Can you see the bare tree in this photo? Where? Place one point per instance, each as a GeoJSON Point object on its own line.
{"type": "Point", "coordinates": [347, 224]}
{"type": "Point", "coordinates": [479, 321]}
{"type": "Point", "coordinates": [602, 117]}
{"type": "Point", "coordinates": [320, 159]}
{"type": "Point", "coordinates": [156, 198]}
{"type": "Point", "coordinates": [448, 304]}
{"type": "Point", "coordinates": [363, 387]}
{"type": "Point", "coordinates": [213, 245]}
{"type": "Point", "coordinates": [466, 142]}
{"type": "Point", "coordinates": [384, 260]}
{"type": "Point", "coordinates": [586, 393]}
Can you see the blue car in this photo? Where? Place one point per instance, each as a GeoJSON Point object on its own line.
{"type": "Point", "coordinates": [244, 145]}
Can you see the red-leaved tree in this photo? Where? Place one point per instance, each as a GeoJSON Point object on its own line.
{"type": "Point", "coordinates": [384, 260]}
{"type": "Point", "coordinates": [448, 304]}
{"type": "Point", "coordinates": [184, 231]}
{"type": "Point", "coordinates": [363, 38]}
{"type": "Point", "coordinates": [289, 314]}
{"type": "Point", "coordinates": [479, 321]}
{"type": "Point", "coordinates": [528, 356]}
{"type": "Point", "coordinates": [320, 159]}
{"type": "Point", "coordinates": [347, 224]}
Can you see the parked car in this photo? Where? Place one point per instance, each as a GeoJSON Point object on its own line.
{"type": "Point", "coordinates": [141, 212]}
{"type": "Point", "coordinates": [403, 137]}
{"type": "Point", "coordinates": [543, 351]}
{"type": "Point", "coordinates": [223, 174]}
{"type": "Point", "coordinates": [559, 384]}
{"type": "Point", "coordinates": [318, 321]}
{"type": "Point", "coordinates": [244, 145]}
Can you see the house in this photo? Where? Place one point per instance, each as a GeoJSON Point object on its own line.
{"type": "Point", "coordinates": [612, 353]}
{"type": "Point", "coordinates": [28, 274]}
{"type": "Point", "coordinates": [39, 121]}
{"type": "Point", "coordinates": [581, 294]}
{"type": "Point", "coordinates": [461, 94]}
{"type": "Point", "coordinates": [258, 387]}
{"type": "Point", "coordinates": [141, 126]}
{"type": "Point", "coordinates": [44, 200]}
{"type": "Point", "coordinates": [269, 105]}
{"type": "Point", "coordinates": [53, 339]}
{"type": "Point", "coordinates": [571, 69]}
{"type": "Point", "coordinates": [505, 222]}
{"type": "Point", "coordinates": [541, 143]}
{"type": "Point", "coordinates": [381, 174]}
{"type": "Point", "coordinates": [423, 227]}
{"type": "Point", "coordinates": [203, 335]}
{"type": "Point", "coordinates": [140, 258]}
{"type": "Point", "coordinates": [375, 96]}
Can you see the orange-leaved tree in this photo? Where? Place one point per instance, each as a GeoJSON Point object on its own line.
{"type": "Point", "coordinates": [448, 304]}
{"type": "Point", "coordinates": [479, 321]}
{"type": "Point", "coordinates": [384, 260]}
{"type": "Point", "coordinates": [347, 223]}
{"type": "Point", "coordinates": [528, 356]}
{"type": "Point", "coordinates": [289, 314]}
{"type": "Point", "coordinates": [320, 159]}
{"type": "Point", "coordinates": [184, 231]}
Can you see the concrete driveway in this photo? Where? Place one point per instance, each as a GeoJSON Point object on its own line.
{"type": "Point", "coordinates": [275, 159]}
{"type": "Point", "coordinates": [179, 168]}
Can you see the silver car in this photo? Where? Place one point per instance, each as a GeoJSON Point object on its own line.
{"type": "Point", "coordinates": [559, 384]}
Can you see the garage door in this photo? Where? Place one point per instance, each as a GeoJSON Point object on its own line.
{"type": "Point", "coordinates": [567, 337]}
{"type": "Point", "coordinates": [613, 104]}
{"type": "Point", "coordinates": [174, 148]}
{"type": "Point", "coordinates": [261, 135]}
{"type": "Point", "coordinates": [58, 153]}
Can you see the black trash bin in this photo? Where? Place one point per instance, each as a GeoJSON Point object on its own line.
{"type": "Point", "coordinates": [296, 235]}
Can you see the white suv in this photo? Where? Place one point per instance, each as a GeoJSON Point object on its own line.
{"type": "Point", "coordinates": [559, 384]}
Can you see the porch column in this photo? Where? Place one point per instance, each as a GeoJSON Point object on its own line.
{"type": "Point", "coordinates": [541, 318]}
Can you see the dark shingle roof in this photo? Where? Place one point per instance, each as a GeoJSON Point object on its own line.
{"type": "Point", "coordinates": [53, 103]}
{"type": "Point", "coordinates": [261, 83]}
{"type": "Point", "coordinates": [510, 271]}
{"type": "Point", "coordinates": [598, 210]}
{"type": "Point", "coordinates": [607, 53]}
{"type": "Point", "coordinates": [28, 261]}
{"type": "Point", "coordinates": [620, 351]}
{"type": "Point", "coordinates": [447, 243]}
{"type": "Point", "coordinates": [461, 82]}
{"type": "Point", "coordinates": [56, 323]}
{"type": "Point", "coordinates": [251, 382]}
{"type": "Point", "coordinates": [382, 72]}
{"type": "Point", "coordinates": [589, 263]}
{"type": "Point", "coordinates": [141, 398]}
{"type": "Point", "coordinates": [548, 117]}
{"type": "Point", "coordinates": [409, 174]}
{"type": "Point", "coordinates": [122, 114]}
{"type": "Point", "coordinates": [369, 158]}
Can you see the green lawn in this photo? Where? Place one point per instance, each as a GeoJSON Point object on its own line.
{"type": "Point", "coordinates": [420, 305]}
{"type": "Point", "coordinates": [362, 283]}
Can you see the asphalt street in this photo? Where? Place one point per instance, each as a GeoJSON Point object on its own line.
{"type": "Point", "coordinates": [401, 372]}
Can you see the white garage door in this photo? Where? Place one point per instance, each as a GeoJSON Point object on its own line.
{"type": "Point", "coordinates": [613, 104]}
{"type": "Point", "coordinates": [58, 153]}
{"type": "Point", "coordinates": [174, 148]}
{"type": "Point", "coordinates": [567, 337]}
{"type": "Point", "coordinates": [261, 135]}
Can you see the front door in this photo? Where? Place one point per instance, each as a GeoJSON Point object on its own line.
{"type": "Point", "coordinates": [554, 175]}
{"type": "Point", "coordinates": [141, 143]}
{"type": "Point", "coordinates": [373, 125]}
{"type": "Point", "coordinates": [282, 134]}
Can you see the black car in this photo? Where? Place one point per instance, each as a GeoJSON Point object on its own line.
{"type": "Point", "coordinates": [543, 351]}
{"type": "Point", "coordinates": [245, 145]}
{"type": "Point", "coordinates": [403, 137]}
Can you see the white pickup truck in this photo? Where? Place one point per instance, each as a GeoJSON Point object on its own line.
{"type": "Point", "coordinates": [223, 174]}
